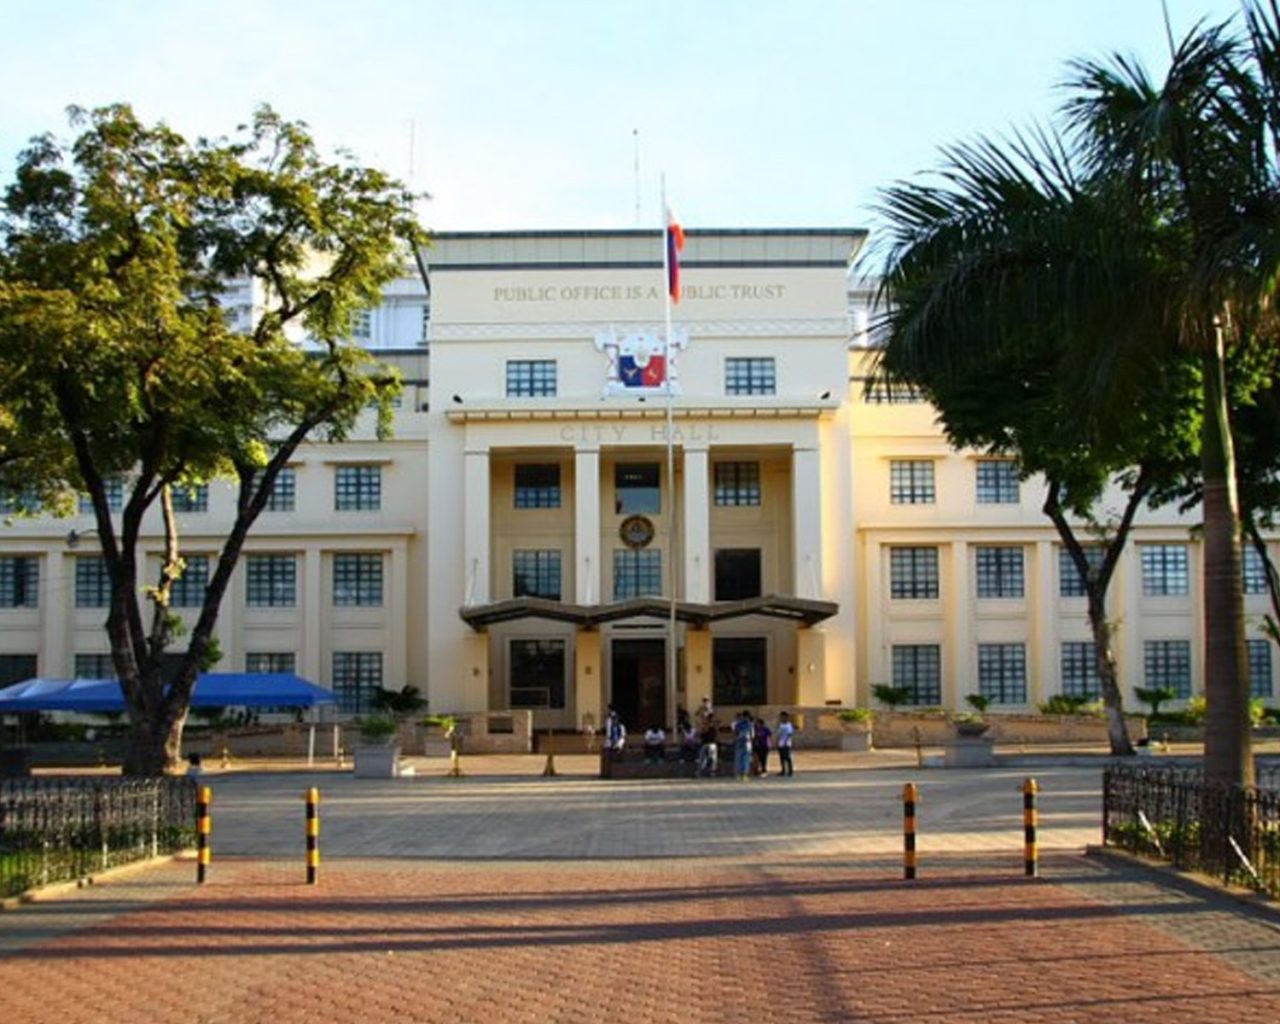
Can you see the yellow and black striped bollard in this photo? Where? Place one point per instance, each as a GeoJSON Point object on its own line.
{"type": "Point", "coordinates": [1030, 819]}
{"type": "Point", "coordinates": [203, 828]}
{"type": "Point", "coordinates": [909, 796]}
{"type": "Point", "coordinates": [313, 834]}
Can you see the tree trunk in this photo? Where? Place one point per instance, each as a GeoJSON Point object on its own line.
{"type": "Point", "coordinates": [1228, 754]}
{"type": "Point", "coordinates": [1108, 677]}
{"type": "Point", "coordinates": [154, 748]}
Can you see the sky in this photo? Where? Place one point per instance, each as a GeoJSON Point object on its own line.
{"type": "Point", "coordinates": [520, 114]}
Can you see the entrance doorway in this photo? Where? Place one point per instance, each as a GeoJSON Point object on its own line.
{"type": "Point", "coordinates": [638, 674]}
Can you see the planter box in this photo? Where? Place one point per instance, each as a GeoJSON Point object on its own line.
{"type": "Point", "coordinates": [856, 740]}
{"type": "Point", "coordinates": [381, 762]}
{"type": "Point", "coordinates": [969, 752]}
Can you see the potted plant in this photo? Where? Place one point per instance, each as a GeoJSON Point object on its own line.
{"type": "Point", "coordinates": [378, 755]}
{"type": "Point", "coordinates": [973, 723]}
{"type": "Point", "coordinates": [438, 731]}
{"type": "Point", "coordinates": [855, 728]}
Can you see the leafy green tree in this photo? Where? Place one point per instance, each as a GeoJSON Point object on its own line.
{"type": "Point", "coordinates": [118, 252]}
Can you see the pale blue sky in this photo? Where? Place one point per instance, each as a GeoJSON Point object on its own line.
{"type": "Point", "coordinates": [761, 112]}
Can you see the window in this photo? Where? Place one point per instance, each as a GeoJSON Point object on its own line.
{"type": "Point", "coordinates": [357, 580]}
{"type": "Point", "coordinates": [284, 492]}
{"type": "Point", "coordinates": [362, 324]}
{"type": "Point", "coordinates": [188, 589]}
{"type": "Point", "coordinates": [636, 573]}
{"type": "Point", "coordinates": [270, 661]}
{"type": "Point", "coordinates": [531, 378]}
{"type": "Point", "coordinates": [114, 488]}
{"type": "Point", "coordinates": [426, 321]}
{"type": "Point", "coordinates": [1168, 663]}
{"type": "Point", "coordinates": [1255, 571]}
{"type": "Point", "coordinates": [537, 673]}
{"type": "Point", "coordinates": [94, 666]}
{"type": "Point", "coordinates": [1069, 582]}
{"type": "Point", "coordinates": [911, 482]}
{"type": "Point", "coordinates": [19, 501]}
{"type": "Point", "coordinates": [878, 391]}
{"type": "Point", "coordinates": [997, 481]}
{"type": "Point", "coordinates": [918, 668]}
{"type": "Point", "coordinates": [536, 574]}
{"type": "Point", "coordinates": [538, 485]}
{"type": "Point", "coordinates": [737, 573]}
{"type": "Point", "coordinates": [1164, 570]}
{"type": "Point", "coordinates": [1002, 673]}
{"type": "Point", "coordinates": [357, 678]}
{"type": "Point", "coordinates": [749, 376]}
{"type": "Point", "coordinates": [913, 573]}
{"type": "Point", "coordinates": [1260, 668]}
{"type": "Point", "coordinates": [17, 668]}
{"type": "Point", "coordinates": [998, 571]}
{"type": "Point", "coordinates": [93, 583]}
{"type": "Point", "coordinates": [737, 483]}
{"type": "Point", "coordinates": [357, 489]}
{"type": "Point", "coordinates": [636, 490]}
{"type": "Point", "coordinates": [1078, 669]}
{"type": "Point", "coordinates": [739, 670]}
{"type": "Point", "coordinates": [19, 582]}
{"type": "Point", "coordinates": [190, 499]}
{"type": "Point", "coordinates": [271, 581]}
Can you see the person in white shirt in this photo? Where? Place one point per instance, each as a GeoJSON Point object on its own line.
{"type": "Point", "coordinates": [786, 731]}
{"type": "Point", "coordinates": [655, 739]}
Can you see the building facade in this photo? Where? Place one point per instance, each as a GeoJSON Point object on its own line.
{"type": "Point", "coordinates": [580, 507]}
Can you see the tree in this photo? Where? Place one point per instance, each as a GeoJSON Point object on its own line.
{"type": "Point", "coordinates": [122, 359]}
{"type": "Point", "coordinates": [984, 303]}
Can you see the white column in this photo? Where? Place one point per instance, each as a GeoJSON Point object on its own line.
{"type": "Point", "coordinates": [697, 526]}
{"type": "Point", "coordinates": [959, 674]}
{"type": "Point", "coordinates": [1046, 637]}
{"type": "Point", "coordinates": [806, 514]}
{"type": "Point", "coordinates": [586, 526]}
{"type": "Point", "coordinates": [475, 541]}
{"type": "Point", "coordinates": [57, 611]}
{"type": "Point", "coordinates": [314, 658]}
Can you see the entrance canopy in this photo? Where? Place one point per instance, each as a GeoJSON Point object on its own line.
{"type": "Point", "coordinates": [804, 611]}
{"type": "Point", "coordinates": [213, 690]}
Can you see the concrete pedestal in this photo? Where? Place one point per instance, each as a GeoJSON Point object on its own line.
{"type": "Point", "coordinates": [969, 752]}
{"type": "Point", "coordinates": [855, 740]}
{"type": "Point", "coordinates": [377, 762]}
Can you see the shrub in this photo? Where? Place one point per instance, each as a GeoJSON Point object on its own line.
{"type": "Point", "coordinates": [978, 701]}
{"type": "Point", "coordinates": [1155, 696]}
{"type": "Point", "coordinates": [855, 714]}
{"type": "Point", "coordinates": [377, 728]}
{"type": "Point", "coordinates": [1063, 704]}
{"type": "Point", "coordinates": [892, 696]}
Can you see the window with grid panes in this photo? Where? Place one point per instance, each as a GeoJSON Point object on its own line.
{"type": "Point", "coordinates": [271, 581]}
{"type": "Point", "coordinates": [284, 492]}
{"type": "Point", "coordinates": [737, 575]}
{"type": "Point", "coordinates": [270, 661]}
{"type": "Point", "coordinates": [1078, 669]}
{"type": "Point", "coordinates": [188, 589]}
{"type": "Point", "coordinates": [94, 666]}
{"type": "Point", "coordinates": [357, 580]}
{"type": "Point", "coordinates": [362, 324]}
{"type": "Point", "coordinates": [1167, 663]}
{"type": "Point", "coordinates": [19, 581]}
{"type": "Point", "coordinates": [737, 483]}
{"type": "Point", "coordinates": [913, 573]}
{"type": "Point", "coordinates": [1255, 571]}
{"type": "Point", "coordinates": [636, 573]}
{"type": "Point", "coordinates": [911, 482]}
{"type": "Point", "coordinates": [537, 485]}
{"type": "Point", "coordinates": [1164, 570]}
{"type": "Point", "coordinates": [17, 668]}
{"type": "Point", "coordinates": [357, 678]}
{"type": "Point", "coordinates": [93, 583]}
{"type": "Point", "coordinates": [998, 571]}
{"type": "Point", "coordinates": [426, 322]}
{"type": "Point", "coordinates": [114, 489]}
{"type": "Point", "coordinates": [194, 498]}
{"type": "Point", "coordinates": [739, 673]}
{"type": "Point", "coordinates": [1260, 668]}
{"type": "Point", "coordinates": [357, 488]}
{"type": "Point", "coordinates": [878, 391]}
{"type": "Point", "coordinates": [537, 673]}
{"type": "Point", "coordinates": [1002, 673]}
{"type": "Point", "coordinates": [1069, 582]}
{"type": "Point", "coordinates": [997, 482]}
{"type": "Point", "coordinates": [918, 668]}
{"type": "Point", "coordinates": [531, 378]}
{"type": "Point", "coordinates": [752, 375]}
{"type": "Point", "coordinates": [536, 573]}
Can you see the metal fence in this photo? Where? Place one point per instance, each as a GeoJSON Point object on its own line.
{"type": "Point", "coordinates": [61, 829]}
{"type": "Point", "coordinates": [1172, 814]}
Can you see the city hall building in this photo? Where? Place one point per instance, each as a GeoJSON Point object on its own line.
{"type": "Point", "coordinates": [580, 507]}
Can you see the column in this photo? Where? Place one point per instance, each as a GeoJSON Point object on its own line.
{"type": "Point", "coordinates": [1045, 625]}
{"type": "Point", "coordinates": [958, 679]}
{"type": "Point", "coordinates": [475, 540]}
{"type": "Point", "coordinates": [806, 512]}
{"type": "Point", "coordinates": [587, 696]}
{"type": "Point", "coordinates": [314, 645]}
{"type": "Point", "coordinates": [697, 666]}
{"type": "Point", "coordinates": [810, 667]}
{"type": "Point", "coordinates": [57, 603]}
{"type": "Point", "coordinates": [586, 528]}
{"type": "Point", "coordinates": [697, 528]}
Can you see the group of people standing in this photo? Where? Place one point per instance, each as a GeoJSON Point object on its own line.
{"type": "Point", "coordinates": [752, 740]}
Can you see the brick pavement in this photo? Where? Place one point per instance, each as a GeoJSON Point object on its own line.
{"type": "Point", "coordinates": [792, 938]}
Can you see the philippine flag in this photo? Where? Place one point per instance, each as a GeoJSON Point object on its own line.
{"type": "Point", "coordinates": [675, 244]}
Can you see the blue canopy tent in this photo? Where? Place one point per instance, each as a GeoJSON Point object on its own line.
{"type": "Point", "coordinates": [213, 690]}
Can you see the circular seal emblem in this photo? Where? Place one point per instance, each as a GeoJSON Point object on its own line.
{"type": "Point", "coordinates": [636, 531]}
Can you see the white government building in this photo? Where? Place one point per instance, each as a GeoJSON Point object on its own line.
{"type": "Point", "coordinates": [517, 543]}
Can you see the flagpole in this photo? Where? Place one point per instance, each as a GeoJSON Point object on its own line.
{"type": "Point", "coordinates": [671, 450]}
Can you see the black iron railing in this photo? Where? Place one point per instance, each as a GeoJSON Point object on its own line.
{"type": "Point", "coordinates": [61, 829]}
{"type": "Point", "coordinates": [1172, 814]}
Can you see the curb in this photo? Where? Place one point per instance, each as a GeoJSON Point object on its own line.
{"type": "Point", "coordinates": [55, 889]}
